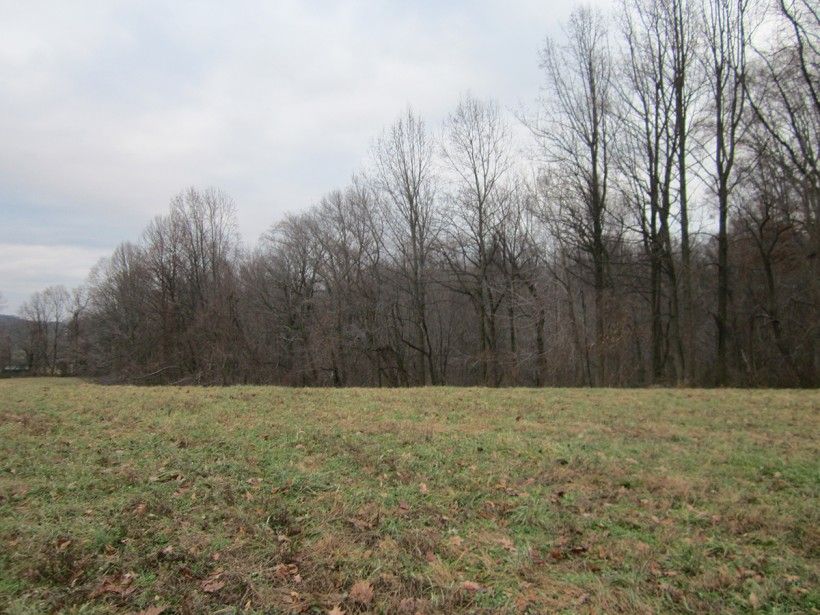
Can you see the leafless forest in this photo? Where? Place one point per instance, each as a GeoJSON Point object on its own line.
{"type": "Point", "coordinates": [658, 227]}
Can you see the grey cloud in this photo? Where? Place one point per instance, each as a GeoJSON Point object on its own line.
{"type": "Point", "coordinates": [110, 108]}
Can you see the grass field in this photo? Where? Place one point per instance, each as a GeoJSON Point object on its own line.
{"type": "Point", "coordinates": [274, 500]}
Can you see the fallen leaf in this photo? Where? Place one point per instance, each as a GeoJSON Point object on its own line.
{"type": "Point", "coordinates": [286, 570]}
{"type": "Point", "coordinates": [122, 585]}
{"type": "Point", "coordinates": [423, 488]}
{"type": "Point", "coordinates": [213, 583]}
{"type": "Point", "coordinates": [63, 544]}
{"type": "Point", "coordinates": [360, 524]}
{"type": "Point", "coordinates": [470, 586]}
{"type": "Point", "coordinates": [211, 587]}
{"type": "Point", "coordinates": [361, 592]}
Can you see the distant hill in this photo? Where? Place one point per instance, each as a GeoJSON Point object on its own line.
{"type": "Point", "coordinates": [9, 319]}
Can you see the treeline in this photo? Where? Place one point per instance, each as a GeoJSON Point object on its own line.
{"type": "Point", "coordinates": [662, 231]}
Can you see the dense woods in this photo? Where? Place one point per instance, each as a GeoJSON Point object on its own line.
{"type": "Point", "coordinates": [660, 227]}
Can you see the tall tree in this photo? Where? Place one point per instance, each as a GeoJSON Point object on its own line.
{"type": "Point", "coordinates": [477, 152]}
{"type": "Point", "coordinates": [403, 159]}
{"type": "Point", "coordinates": [785, 98]}
{"type": "Point", "coordinates": [648, 162]}
{"type": "Point", "coordinates": [684, 45]}
{"type": "Point", "coordinates": [577, 132]}
{"type": "Point", "coordinates": [724, 59]}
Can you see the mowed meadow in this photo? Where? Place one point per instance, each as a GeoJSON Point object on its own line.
{"type": "Point", "coordinates": [118, 499]}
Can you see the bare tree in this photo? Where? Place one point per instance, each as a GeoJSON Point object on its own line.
{"type": "Point", "coordinates": [57, 305]}
{"type": "Point", "coordinates": [45, 312]}
{"type": "Point", "coordinates": [403, 159]}
{"type": "Point", "coordinates": [577, 132]}
{"type": "Point", "coordinates": [785, 100]}
{"type": "Point", "coordinates": [686, 85]}
{"type": "Point", "coordinates": [76, 339]}
{"type": "Point", "coordinates": [658, 90]}
{"type": "Point", "coordinates": [439, 263]}
{"type": "Point", "coordinates": [727, 41]}
{"type": "Point", "coordinates": [288, 293]}
{"type": "Point", "coordinates": [476, 150]}
{"type": "Point", "coordinates": [521, 261]}
{"type": "Point", "coordinates": [649, 158]}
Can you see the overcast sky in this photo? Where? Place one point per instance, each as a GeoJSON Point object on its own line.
{"type": "Point", "coordinates": [108, 109]}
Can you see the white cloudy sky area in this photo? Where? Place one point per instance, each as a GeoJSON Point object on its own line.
{"type": "Point", "coordinates": [107, 109]}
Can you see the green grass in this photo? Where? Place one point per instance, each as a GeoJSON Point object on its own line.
{"type": "Point", "coordinates": [116, 499]}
